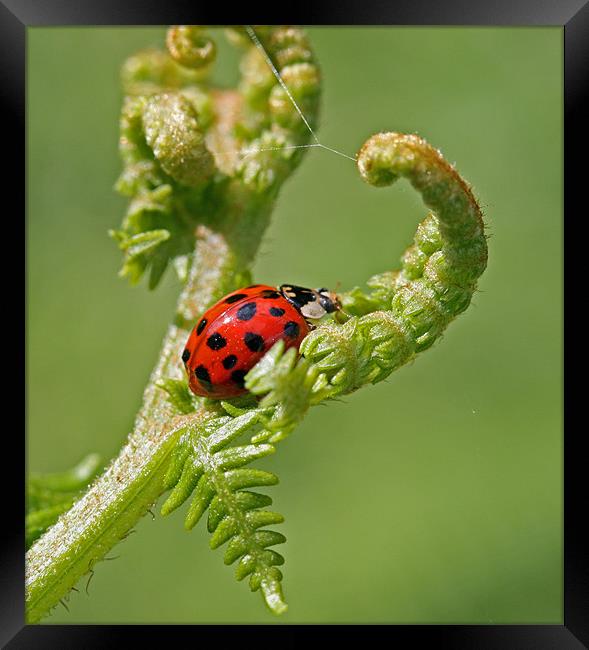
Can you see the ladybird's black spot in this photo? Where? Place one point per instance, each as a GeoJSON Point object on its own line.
{"type": "Point", "coordinates": [291, 329]}
{"type": "Point", "coordinates": [253, 341]}
{"type": "Point", "coordinates": [269, 293]}
{"type": "Point", "coordinates": [247, 312]}
{"type": "Point", "coordinates": [216, 341]}
{"type": "Point", "coordinates": [238, 377]}
{"type": "Point", "coordinates": [185, 355]}
{"type": "Point", "coordinates": [201, 326]}
{"type": "Point", "coordinates": [229, 362]}
{"type": "Point", "coordinates": [276, 311]}
{"type": "Point", "coordinates": [235, 297]}
{"type": "Point", "coordinates": [202, 374]}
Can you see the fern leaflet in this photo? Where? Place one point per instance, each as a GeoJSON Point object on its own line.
{"type": "Point", "coordinates": [206, 465]}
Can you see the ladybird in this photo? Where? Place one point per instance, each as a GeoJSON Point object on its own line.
{"type": "Point", "coordinates": [235, 333]}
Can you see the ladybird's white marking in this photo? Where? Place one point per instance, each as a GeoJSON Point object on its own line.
{"type": "Point", "coordinates": [313, 310]}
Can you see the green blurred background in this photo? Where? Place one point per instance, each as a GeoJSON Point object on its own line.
{"type": "Point", "coordinates": [433, 497]}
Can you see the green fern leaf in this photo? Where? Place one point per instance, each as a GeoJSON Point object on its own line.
{"type": "Point", "coordinates": [179, 395]}
{"type": "Point", "coordinates": [208, 466]}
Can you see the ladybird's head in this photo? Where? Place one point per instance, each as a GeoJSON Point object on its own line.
{"type": "Point", "coordinates": [329, 300]}
{"type": "Point", "coordinates": [312, 303]}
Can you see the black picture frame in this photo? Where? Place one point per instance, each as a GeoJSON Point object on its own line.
{"type": "Point", "coordinates": [573, 16]}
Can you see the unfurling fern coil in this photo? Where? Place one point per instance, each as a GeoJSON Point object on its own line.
{"type": "Point", "coordinates": [197, 155]}
{"type": "Point", "coordinates": [406, 311]}
{"type": "Point", "coordinates": [202, 169]}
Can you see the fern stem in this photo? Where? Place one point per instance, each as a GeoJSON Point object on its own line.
{"type": "Point", "coordinates": [96, 522]}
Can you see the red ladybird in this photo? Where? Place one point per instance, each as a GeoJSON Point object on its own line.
{"type": "Point", "coordinates": [236, 332]}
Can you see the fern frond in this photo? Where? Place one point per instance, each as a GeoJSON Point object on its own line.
{"type": "Point", "coordinates": [207, 465]}
{"type": "Point", "coordinates": [205, 211]}
{"type": "Point", "coordinates": [403, 315]}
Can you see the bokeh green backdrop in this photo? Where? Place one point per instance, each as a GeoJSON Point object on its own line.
{"type": "Point", "coordinates": [435, 496]}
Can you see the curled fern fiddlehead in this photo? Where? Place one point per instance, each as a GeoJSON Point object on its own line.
{"type": "Point", "coordinates": [198, 155]}
{"type": "Point", "coordinates": [406, 311]}
{"type": "Point", "coordinates": [189, 46]}
{"type": "Point", "coordinates": [202, 168]}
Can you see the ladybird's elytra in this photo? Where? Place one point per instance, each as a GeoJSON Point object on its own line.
{"type": "Point", "coordinates": [236, 332]}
